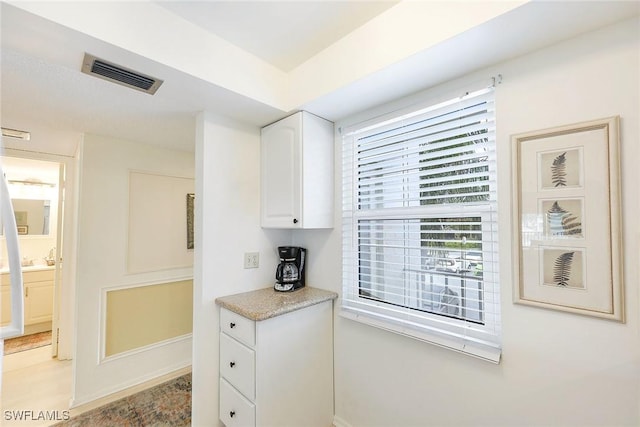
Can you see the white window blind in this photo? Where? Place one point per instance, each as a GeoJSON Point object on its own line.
{"type": "Point", "coordinates": [420, 225]}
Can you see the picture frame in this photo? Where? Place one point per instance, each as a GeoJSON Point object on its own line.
{"type": "Point", "coordinates": [567, 249]}
{"type": "Point", "coordinates": [190, 218]}
{"type": "Point", "coordinates": [23, 230]}
{"type": "Point", "coordinates": [21, 217]}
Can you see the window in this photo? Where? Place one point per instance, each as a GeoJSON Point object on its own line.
{"type": "Point", "coordinates": [420, 224]}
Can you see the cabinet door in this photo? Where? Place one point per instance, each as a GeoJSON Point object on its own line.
{"type": "Point", "coordinates": [280, 153]}
{"type": "Point", "coordinates": [38, 302]}
{"type": "Point", "coordinates": [5, 308]}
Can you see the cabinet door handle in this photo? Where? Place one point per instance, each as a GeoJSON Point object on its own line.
{"type": "Point", "coordinates": [232, 414]}
{"type": "Point", "coordinates": [232, 364]}
{"type": "Point", "coordinates": [232, 325]}
{"type": "Point", "coordinates": [295, 221]}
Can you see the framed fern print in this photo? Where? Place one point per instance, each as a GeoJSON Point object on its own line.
{"type": "Point", "coordinates": [567, 247]}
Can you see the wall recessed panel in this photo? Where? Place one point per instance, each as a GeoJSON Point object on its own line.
{"type": "Point", "coordinates": [158, 222]}
{"type": "Point", "coordinates": [146, 315]}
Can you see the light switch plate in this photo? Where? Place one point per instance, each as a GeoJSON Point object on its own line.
{"type": "Point", "coordinates": [251, 259]}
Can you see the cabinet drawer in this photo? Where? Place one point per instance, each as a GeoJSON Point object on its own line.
{"type": "Point", "coordinates": [30, 276]}
{"type": "Point", "coordinates": [235, 410]}
{"type": "Point", "coordinates": [241, 328]}
{"type": "Point", "coordinates": [237, 365]}
{"type": "Point", "coordinates": [37, 276]}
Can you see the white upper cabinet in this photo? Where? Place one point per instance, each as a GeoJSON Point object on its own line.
{"type": "Point", "coordinates": [297, 173]}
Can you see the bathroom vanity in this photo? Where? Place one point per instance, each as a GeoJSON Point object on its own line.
{"type": "Point", "coordinates": [276, 358]}
{"type": "Point", "coordinates": [38, 298]}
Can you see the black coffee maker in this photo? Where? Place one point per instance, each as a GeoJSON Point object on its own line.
{"type": "Point", "coordinates": [290, 271]}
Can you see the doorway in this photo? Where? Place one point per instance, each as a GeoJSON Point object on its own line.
{"type": "Point", "coordinates": [34, 375]}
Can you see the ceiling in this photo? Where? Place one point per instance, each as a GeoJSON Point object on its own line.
{"type": "Point", "coordinates": [266, 28]}
{"type": "Point", "coordinates": [43, 90]}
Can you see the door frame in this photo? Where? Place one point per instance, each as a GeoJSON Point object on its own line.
{"type": "Point", "coordinates": [62, 339]}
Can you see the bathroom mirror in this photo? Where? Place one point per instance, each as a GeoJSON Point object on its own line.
{"type": "Point", "coordinates": [33, 217]}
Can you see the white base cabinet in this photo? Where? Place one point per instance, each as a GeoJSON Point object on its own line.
{"type": "Point", "coordinates": [278, 371]}
{"type": "Point", "coordinates": [38, 297]}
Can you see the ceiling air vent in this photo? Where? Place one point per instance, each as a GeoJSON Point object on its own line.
{"type": "Point", "coordinates": [117, 74]}
{"type": "Point", "coordinates": [18, 134]}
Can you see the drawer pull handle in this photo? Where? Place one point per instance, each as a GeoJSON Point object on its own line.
{"type": "Point", "coordinates": [232, 414]}
{"type": "Point", "coordinates": [232, 364]}
{"type": "Point", "coordinates": [232, 325]}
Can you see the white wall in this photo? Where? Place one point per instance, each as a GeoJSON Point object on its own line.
{"type": "Point", "coordinates": [228, 225]}
{"type": "Point", "coordinates": [557, 368]}
{"type": "Point", "coordinates": [103, 218]}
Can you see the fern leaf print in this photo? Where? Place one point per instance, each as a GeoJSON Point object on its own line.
{"type": "Point", "coordinates": [562, 269]}
{"type": "Point", "coordinates": [554, 219]}
{"type": "Point", "coordinates": [571, 226]}
{"type": "Point", "coordinates": [562, 222]}
{"type": "Point", "coordinates": [559, 170]}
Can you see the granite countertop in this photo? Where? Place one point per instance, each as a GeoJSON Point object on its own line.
{"type": "Point", "coordinates": [266, 303]}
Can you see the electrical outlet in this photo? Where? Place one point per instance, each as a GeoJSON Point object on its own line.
{"type": "Point", "coordinates": [251, 259]}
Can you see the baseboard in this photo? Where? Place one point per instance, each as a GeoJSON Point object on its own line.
{"type": "Point", "coordinates": [87, 406]}
{"type": "Point", "coordinates": [37, 328]}
{"type": "Point", "coordinates": [339, 422]}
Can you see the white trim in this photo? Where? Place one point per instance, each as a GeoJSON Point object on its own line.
{"type": "Point", "coordinates": [146, 283]}
{"type": "Point", "coordinates": [423, 105]}
{"type": "Point", "coordinates": [486, 353]}
{"type": "Point", "coordinates": [102, 313]}
{"type": "Point", "coordinates": [385, 151]}
{"type": "Point", "coordinates": [133, 386]}
{"type": "Point", "coordinates": [148, 347]}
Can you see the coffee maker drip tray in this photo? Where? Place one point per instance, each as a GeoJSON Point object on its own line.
{"type": "Point", "coordinates": [283, 287]}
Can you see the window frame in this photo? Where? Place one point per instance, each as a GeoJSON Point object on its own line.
{"type": "Point", "coordinates": [480, 340]}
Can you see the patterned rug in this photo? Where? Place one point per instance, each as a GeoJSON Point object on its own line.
{"type": "Point", "coordinates": [167, 404]}
{"type": "Point", "coordinates": [27, 342]}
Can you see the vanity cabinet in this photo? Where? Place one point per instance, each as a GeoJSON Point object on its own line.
{"type": "Point", "coordinates": [277, 371]}
{"type": "Point", "coordinates": [297, 173]}
{"type": "Point", "coordinates": [38, 296]}
{"type": "Point", "coordinates": [5, 301]}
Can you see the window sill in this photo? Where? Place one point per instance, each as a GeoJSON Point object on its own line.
{"type": "Point", "coordinates": [464, 346]}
